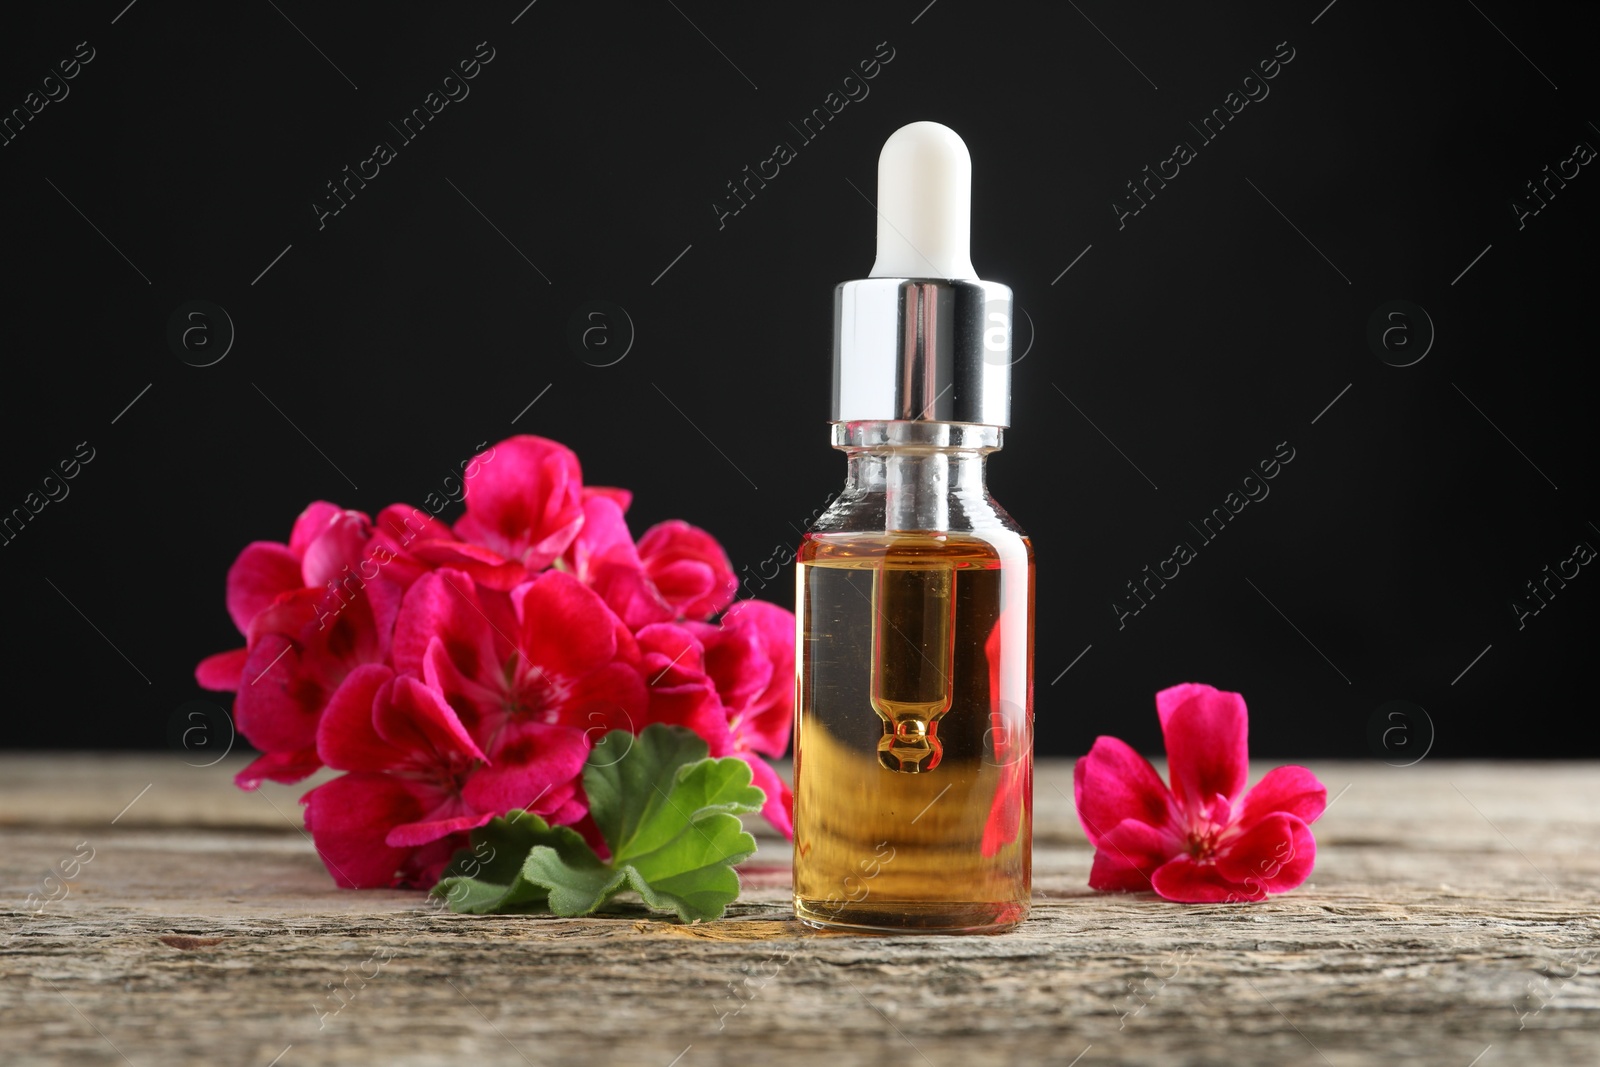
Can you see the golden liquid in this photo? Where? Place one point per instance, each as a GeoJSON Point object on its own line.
{"type": "Point", "coordinates": [914, 731]}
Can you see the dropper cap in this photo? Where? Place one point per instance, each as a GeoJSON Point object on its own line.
{"type": "Point", "coordinates": [921, 338]}
{"type": "Point", "coordinates": [924, 205]}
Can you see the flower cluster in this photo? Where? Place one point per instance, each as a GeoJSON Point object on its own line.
{"type": "Point", "coordinates": [1207, 839]}
{"type": "Point", "coordinates": [457, 672]}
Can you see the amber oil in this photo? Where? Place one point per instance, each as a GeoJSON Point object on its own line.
{"type": "Point", "coordinates": [914, 730]}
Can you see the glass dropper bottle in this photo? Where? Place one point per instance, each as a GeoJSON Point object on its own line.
{"type": "Point", "coordinates": [914, 599]}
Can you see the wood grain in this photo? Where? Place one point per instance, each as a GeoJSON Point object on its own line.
{"type": "Point", "coordinates": [1453, 919]}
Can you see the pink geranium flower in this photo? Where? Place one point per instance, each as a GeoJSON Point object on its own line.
{"type": "Point", "coordinates": [1207, 839]}
{"type": "Point", "coordinates": [676, 572]}
{"type": "Point", "coordinates": [524, 507]}
{"type": "Point", "coordinates": [418, 781]}
{"type": "Point", "coordinates": [688, 568]}
{"type": "Point", "coordinates": [549, 651]}
{"type": "Point", "coordinates": [325, 539]}
{"type": "Point", "coordinates": [300, 653]}
{"type": "Point", "coordinates": [311, 611]}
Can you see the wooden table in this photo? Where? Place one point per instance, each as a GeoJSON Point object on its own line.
{"type": "Point", "coordinates": [1453, 919]}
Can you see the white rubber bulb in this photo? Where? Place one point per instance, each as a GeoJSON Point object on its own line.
{"type": "Point", "coordinates": [924, 205]}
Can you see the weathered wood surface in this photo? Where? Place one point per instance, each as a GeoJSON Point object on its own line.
{"type": "Point", "coordinates": [1453, 919]}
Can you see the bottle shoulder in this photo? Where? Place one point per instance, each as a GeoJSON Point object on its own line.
{"type": "Point", "coordinates": [856, 511]}
{"type": "Point", "coordinates": [981, 549]}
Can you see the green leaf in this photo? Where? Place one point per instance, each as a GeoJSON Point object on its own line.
{"type": "Point", "coordinates": [668, 813]}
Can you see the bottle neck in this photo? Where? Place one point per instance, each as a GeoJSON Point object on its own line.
{"type": "Point", "coordinates": [929, 475]}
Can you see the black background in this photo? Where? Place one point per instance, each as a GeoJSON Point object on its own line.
{"type": "Point", "coordinates": [1208, 329]}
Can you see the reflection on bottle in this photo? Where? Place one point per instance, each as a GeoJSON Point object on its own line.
{"type": "Point", "coordinates": [1011, 746]}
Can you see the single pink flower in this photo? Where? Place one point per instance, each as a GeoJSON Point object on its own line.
{"type": "Point", "coordinates": [677, 572]}
{"type": "Point", "coordinates": [1207, 839]}
{"type": "Point", "coordinates": [524, 507]}
{"type": "Point", "coordinates": [547, 652]}
{"type": "Point", "coordinates": [418, 782]}
{"type": "Point", "coordinates": [688, 568]}
{"type": "Point", "coordinates": [302, 647]}
{"type": "Point", "coordinates": [325, 540]}
{"type": "Point", "coordinates": [309, 618]}
{"type": "Point", "coordinates": [311, 610]}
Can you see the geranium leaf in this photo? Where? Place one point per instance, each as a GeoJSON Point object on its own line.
{"type": "Point", "coordinates": [485, 878]}
{"type": "Point", "coordinates": [667, 813]}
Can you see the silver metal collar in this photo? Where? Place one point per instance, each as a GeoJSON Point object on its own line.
{"type": "Point", "coordinates": [922, 350]}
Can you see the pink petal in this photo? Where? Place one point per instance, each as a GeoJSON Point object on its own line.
{"type": "Point", "coordinates": [565, 628]}
{"type": "Point", "coordinates": [477, 704]}
{"type": "Point", "coordinates": [424, 865]}
{"type": "Point", "coordinates": [767, 732]}
{"type": "Point", "coordinates": [613, 695]}
{"type": "Point", "coordinates": [412, 834]}
{"type": "Point", "coordinates": [688, 582]}
{"type": "Point", "coordinates": [567, 812]}
{"type": "Point", "coordinates": [1273, 856]}
{"type": "Point", "coordinates": [673, 654]}
{"type": "Point", "coordinates": [689, 567]}
{"type": "Point", "coordinates": [736, 659]}
{"type": "Point", "coordinates": [397, 531]}
{"type": "Point", "coordinates": [398, 525]}
{"type": "Point", "coordinates": [279, 767]}
{"type": "Point", "coordinates": [604, 536]}
{"type": "Point", "coordinates": [622, 497]}
{"type": "Point", "coordinates": [1113, 783]}
{"type": "Point", "coordinates": [630, 593]}
{"type": "Point", "coordinates": [309, 523]}
{"type": "Point", "coordinates": [277, 706]}
{"type": "Point", "coordinates": [417, 721]}
{"type": "Point", "coordinates": [524, 502]}
{"type": "Point", "coordinates": [486, 565]}
{"type": "Point", "coordinates": [779, 808]}
{"type": "Point", "coordinates": [345, 735]}
{"type": "Point", "coordinates": [299, 653]}
{"type": "Point", "coordinates": [773, 623]}
{"type": "Point", "coordinates": [350, 818]}
{"type": "Point", "coordinates": [336, 550]}
{"type": "Point", "coordinates": [1187, 882]}
{"type": "Point", "coordinates": [1127, 854]}
{"type": "Point", "coordinates": [383, 607]}
{"type": "Point", "coordinates": [1294, 790]}
{"type": "Point", "coordinates": [221, 672]}
{"type": "Point", "coordinates": [1206, 732]}
{"type": "Point", "coordinates": [750, 656]}
{"type": "Point", "coordinates": [561, 805]}
{"type": "Point", "coordinates": [444, 605]}
{"type": "Point", "coordinates": [531, 761]}
{"type": "Point", "coordinates": [696, 707]}
{"type": "Point", "coordinates": [263, 570]}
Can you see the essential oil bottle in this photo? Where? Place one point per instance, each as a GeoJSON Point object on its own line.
{"type": "Point", "coordinates": [914, 601]}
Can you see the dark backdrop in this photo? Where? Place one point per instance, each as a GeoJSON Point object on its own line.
{"type": "Point", "coordinates": [1366, 607]}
